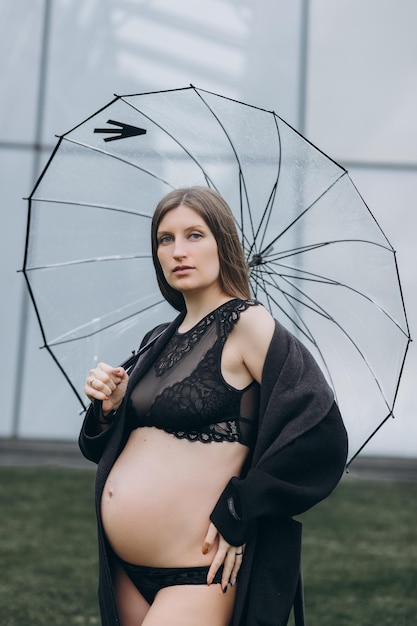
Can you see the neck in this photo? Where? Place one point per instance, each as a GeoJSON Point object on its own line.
{"type": "Point", "coordinates": [199, 305]}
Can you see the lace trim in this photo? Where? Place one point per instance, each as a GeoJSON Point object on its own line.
{"type": "Point", "coordinates": [229, 318]}
{"type": "Point", "coordinates": [222, 431]}
{"type": "Point", "coordinates": [181, 344]}
{"type": "Point", "coordinates": [159, 577]}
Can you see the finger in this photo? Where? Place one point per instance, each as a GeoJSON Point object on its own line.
{"type": "Point", "coordinates": [113, 373]}
{"type": "Point", "coordinates": [237, 565]}
{"type": "Point", "coordinates": [209, 539]}
{"type": "Point", "coordinates": [225, 555]}
{"type": "Point", "coordinates": [120, 374]}
{"type": "Point", "coordinates": [96, 388]}
{"type": "Point", "coordinates": [104, 387]}
{"type": "Point", "coordinates": [93, 394]}
{"type": "Point", "coordinates": [228, 568]}
{"type": "Point", "coordinates": [214, 567]}
{"type": "Point", "coordinates": [107, 378]}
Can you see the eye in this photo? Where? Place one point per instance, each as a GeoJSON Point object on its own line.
{"type": "Point", "coordinates": [163, 239]}
{"type": "Point", "coordinates": [195, 235]}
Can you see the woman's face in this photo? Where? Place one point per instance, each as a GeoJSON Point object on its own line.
{"type": "Point", "coordinates": [187, 251]}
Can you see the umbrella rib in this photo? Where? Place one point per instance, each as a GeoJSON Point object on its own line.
{"type": "Point", "coordinates": [264, 287]}
{"type": "Point", "coordinates": [402, 297]}
{"type": "Point", "coordinates": [321, 311]}
{"type": "Point", "coordinates": [252, 106]}
{"type": "Point", "coordinates": [323, 244]}
{"type": "Point", "coordinates": [266, 215]}
{"type": "Point", "coordinates": [390, 414]}
{"type": "Point", "coordinates": [118, 158]}
{"type": "Point", "coordinates": [369, 210]}
{"type": "Point", "coordinates": [257, 279]}
{"type": "Point", "coordinates": [119, 311]}
{"type": "Point", "coordinates": [391, 411]}
{"type": "Point", "coordinates": [242, 181]}
{"type": "Point", "coordinates": [273, 193]}
{"type": "Point", "coordinates": [42, 330]}
{"type": "Point", "coordinates": [307, 208]}
{"type": "Point", "coordinates": [116, 257]}
{"type": "Point", "coordinates": [100, 330]}
{"type": "Point", "coordinates": [268, 209]}
{"type": "Point", "coordinates": [66, 376]}
{"type": "Point", "coordinates": [29, 217]}
{"type": "Point", "coordinates": [313, 277]}
{"type": "Point", "coordinates": [106, 207]}
{"type": "Point", "coordinates": [210, 183]}
{"type": "Point", "coordinates": [301, 326]}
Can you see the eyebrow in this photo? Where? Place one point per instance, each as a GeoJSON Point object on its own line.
{"type": "Point", "coordinates": [200, 226]}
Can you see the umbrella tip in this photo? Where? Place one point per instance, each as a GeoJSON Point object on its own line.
{"type": "Point", "coordinates": [256, 260]}
{"type": "Point", "coordinates": [259, 257]}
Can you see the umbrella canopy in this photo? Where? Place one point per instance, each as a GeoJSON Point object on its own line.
{"type": "Point", "coordinates": [318, 259]}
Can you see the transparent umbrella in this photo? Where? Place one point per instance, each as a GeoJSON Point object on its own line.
{"type": "Point", "coordinates": [318, 259]}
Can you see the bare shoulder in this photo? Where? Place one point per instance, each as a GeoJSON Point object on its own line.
{"type": "Point", "coordinates": [253, 335]}
{"type": "Point", "coordinates": [256, 324]}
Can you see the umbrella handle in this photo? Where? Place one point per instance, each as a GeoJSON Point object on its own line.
{"type": "Point", "coordinates": [132, 360]}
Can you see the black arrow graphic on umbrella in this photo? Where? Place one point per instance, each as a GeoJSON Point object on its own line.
{"type": "Point", "coordinates": [125, 130]}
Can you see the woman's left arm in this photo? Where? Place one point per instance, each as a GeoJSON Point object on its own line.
{"type": "Point", "coordinates": [288, 483]}
{"type": "Point", "coordinates": [252, 339]}
{"type": "Point", "coordinates": [295, 476]}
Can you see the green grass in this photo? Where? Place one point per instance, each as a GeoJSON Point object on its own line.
{"type": "Point", "coordinates": [47, 547]}
{"type": "Point", "coordinates": [359, 555]}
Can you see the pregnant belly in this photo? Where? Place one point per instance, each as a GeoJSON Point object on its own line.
{"type": "Point", "coordinates": [158, 497]}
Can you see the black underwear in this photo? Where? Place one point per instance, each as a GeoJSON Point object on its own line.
{"type": "Point", "coordinates": [149, 580]}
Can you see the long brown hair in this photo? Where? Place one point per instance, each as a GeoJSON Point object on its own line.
{"type": "Point", "coordinates": [233, 274]}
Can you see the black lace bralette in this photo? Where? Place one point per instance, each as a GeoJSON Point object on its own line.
{"type": "Point", "coordinates": [184, 392]}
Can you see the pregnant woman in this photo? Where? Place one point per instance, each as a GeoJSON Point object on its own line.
{"type": "Point", "coordinates": [207, 446]}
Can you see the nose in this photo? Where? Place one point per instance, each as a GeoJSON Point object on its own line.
{"type": "Point", "coordinates": [179, 251]}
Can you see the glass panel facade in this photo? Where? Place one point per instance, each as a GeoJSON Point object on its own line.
{"type": "Point", "coordinates": [362, 79]}
{"type": "Point", "coordinates": [244, 50]}
{"type": "Point", "coordinates": [21, 27]}
{"type": "Point", "coordinates": [48, 408]}
{"type": "Point", "coordinates": [391, 197]}
{"type": "Point", "coordinates": [343, 72]}
{"type": "Point", "coordinates": [16, 174]}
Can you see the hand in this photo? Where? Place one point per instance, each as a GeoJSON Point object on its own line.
{"type": "Point", "coordinates": [227, 555]}
{"type": "Point", "coordinates": [107, 384]}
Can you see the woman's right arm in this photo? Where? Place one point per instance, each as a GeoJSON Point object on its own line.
{"type": "Point", "coordinates": [106, 384]}
{"type": "Point", "coordinates": [106, 388]}
{"type": "Point", "coordinates": [93, 437]}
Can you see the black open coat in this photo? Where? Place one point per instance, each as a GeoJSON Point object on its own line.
{"type": "Point", "coordinates": [298, 459]}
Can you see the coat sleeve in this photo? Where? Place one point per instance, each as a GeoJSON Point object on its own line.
{"type": "Point", "coordinates": [290, 482]}
{"type": "Point", "coordinates": [92, 439]}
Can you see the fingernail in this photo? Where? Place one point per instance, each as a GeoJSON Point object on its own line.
{"type": "Point", "coordinates": [204, 549]}
{"type": "Point", "coordinates": [233, 583]}
{"type": "Point", "coordinates": [225, 589]}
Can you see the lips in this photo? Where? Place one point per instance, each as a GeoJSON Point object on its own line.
{"type": "Point", "coordinates": [182, 268]}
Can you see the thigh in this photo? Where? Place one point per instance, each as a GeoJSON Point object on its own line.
{"type": "Point", "coordinates": [188, 605]}
{"type": "Point", "coordinates": [131, 605]}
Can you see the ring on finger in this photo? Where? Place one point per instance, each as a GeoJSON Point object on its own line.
{"type": "Point", "coordinates": [90, 381]}
{"type": "Point", "coordinates": [238, 553]}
